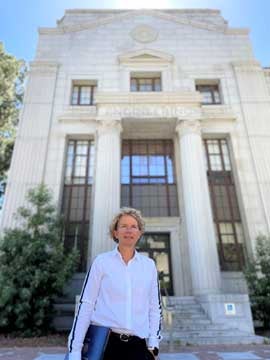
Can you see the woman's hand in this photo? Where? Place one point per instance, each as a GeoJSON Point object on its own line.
{"type": "Point", "coordinates": [152, 353]}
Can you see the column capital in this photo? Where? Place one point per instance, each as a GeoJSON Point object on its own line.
{"type": "Point", "coordinates": [184, 127]}
{"type": "Point", "coordinates": [109, 126]}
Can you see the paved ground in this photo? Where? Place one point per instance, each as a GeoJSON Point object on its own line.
{"type": "Point", "coordinates": [207, 352]}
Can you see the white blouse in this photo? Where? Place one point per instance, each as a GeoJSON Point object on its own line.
{"type": "Point", "coordinates": [124, 297]}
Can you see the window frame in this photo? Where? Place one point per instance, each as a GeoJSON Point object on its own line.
{"type": "Point", "coordinates": [93, 88]}
{"type": "Point", "coordinates": [140, 76]}
{"type": "Point", "coordinates": [225, 178]}
{"type": "Point", "coordinates": [168, 149]}
{"type": "Point", "coordinates": [212, 87]}
{"type": "Point", "coordinates": [81, 236]}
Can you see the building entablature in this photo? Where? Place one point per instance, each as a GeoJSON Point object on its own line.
{"type": "Point", "coordinates": [165, 105]}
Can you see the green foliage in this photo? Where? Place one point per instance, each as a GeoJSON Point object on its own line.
{"type": "Point", "coordinates": [257, 274]}
{"type": "Point", "coordinates": [33, 267]}
{"type": "Point", "coordinates": [12, 73]}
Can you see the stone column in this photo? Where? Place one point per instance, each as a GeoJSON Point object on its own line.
{"type": "Point", "coordinates": [107, 184]}
{"type": "Point", "coordinates": [204, 262]}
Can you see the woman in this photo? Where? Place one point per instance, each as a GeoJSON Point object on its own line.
{"type": "Point", "coordinates": [121, 291]}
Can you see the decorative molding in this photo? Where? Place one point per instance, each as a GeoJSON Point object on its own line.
{"type": "Point", "coordinates": [185, 97]}
{"type": "Point", "coordinates": [145, 56]}
{"type": "Point", "coordinates": [218, 112]}
{"type": "Point", "coordinates": [144, 34]}
{"type": "Point", "coordinates": [185, 127]}
{"type": "Point", "coordinates": [148, 111]}
{"type": "Point", "coordinates": [109, 126]}
{"type": "Point", "coordinates": [78, 114]}
{"type": "Point", "coordinates": [61, 29]}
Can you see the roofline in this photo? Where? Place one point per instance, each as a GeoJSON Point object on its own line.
{"type": "Point", "coordinates": [74, 11]}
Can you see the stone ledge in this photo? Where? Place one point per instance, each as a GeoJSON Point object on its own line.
{"type": "Point", "coordinates": [192, 97]}
{"type": "Point", "coordinates": [78, 113]}
{"type": "Point", "coordinates": [218, 112]}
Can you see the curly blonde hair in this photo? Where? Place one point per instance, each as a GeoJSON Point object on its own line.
{"type": "Point", "coordinates": [136, 214]}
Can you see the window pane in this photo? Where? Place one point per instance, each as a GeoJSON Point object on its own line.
{"type": "Point", "coordinates": [75, 95]}
{"type": "Point", "coordinates": [139, 165]}
{"type": "Point", "coordinates": [215, 163]}
{"type": "Point", "coordinates": [213, 147]}
{"type": "Point", "coordinates": [157, 85]}
{"type": "Point", "coordinates": [207, 97]}
{"type": "Point", "coordinates": [156, 165]}
{"type": "Point", "coordinates": [133, 85]}
{"type": "Point", "coordinates": [145, 84]}
{"type": "Point", "coordinates": [216, 96]}
{"type": "Point", "coordinates": [85, 98]}
{"type": "Point", "coordinates": [82, 147]}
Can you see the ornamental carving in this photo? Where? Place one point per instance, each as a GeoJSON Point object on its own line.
{"type": "Point", "coordinates": [187, 127]}
{"type": "Point", "coordinates": [144, 34]}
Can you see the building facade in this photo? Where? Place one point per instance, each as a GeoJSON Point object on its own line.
{"type": "Point", "coordinates": [167, 111]}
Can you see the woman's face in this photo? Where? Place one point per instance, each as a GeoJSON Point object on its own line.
{"type": "Point", "coordinates": [127, 232]}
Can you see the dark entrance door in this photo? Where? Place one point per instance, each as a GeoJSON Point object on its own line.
{"type": "Point", "coordinates": [157, 247]}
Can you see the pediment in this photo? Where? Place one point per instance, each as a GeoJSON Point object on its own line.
{"type": "Point", "coordinates": [107, 17]}
{"type": "Point", "coordinates": [144, 56]}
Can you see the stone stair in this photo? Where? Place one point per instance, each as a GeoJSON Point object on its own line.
{"type": "Point", "coordinates": [64, 314]}
{"type": "Point", "coordinates": [185, 322]}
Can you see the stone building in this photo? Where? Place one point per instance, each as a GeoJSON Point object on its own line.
{"type": "Point", "coordinates": [167, 111]}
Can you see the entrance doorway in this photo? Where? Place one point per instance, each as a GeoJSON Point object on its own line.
{"type": "Point", "coordinates": [157, 247]}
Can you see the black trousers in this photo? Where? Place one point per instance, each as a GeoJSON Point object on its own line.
{"type": "Point", "coordinates": [134, 349]}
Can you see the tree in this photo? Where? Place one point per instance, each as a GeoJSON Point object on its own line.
{"type": "Point", "coordinates": [257, 274]}
{"type": "Point", "coordinates": [12, 73]}
{"type": "Point", "coordinates": [33, 267]}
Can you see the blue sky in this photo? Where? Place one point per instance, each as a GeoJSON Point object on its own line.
{"type": "Point", "coordinates": [20, 19]}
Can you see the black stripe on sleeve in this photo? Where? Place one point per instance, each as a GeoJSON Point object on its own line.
{"type": "Point", "coordinates": [77, 315]}
{"type": "Point", "coordinates": [160, 310]}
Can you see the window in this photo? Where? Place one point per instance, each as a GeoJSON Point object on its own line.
{"type": "Point", "coordinates": [157, 247]}
{"type": "Point", "coordinates": [77, 197]}
{"type": "Point", "coordinates": [148, 177]}
{"type": "Point", "coordinates": [227, 218]}
{"type": "Point", "coordinates": [210, 93]}
{"type": "Point", "coordinates": [83, 94]}
{"type": "Point", "coordinates": [145, 82]}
